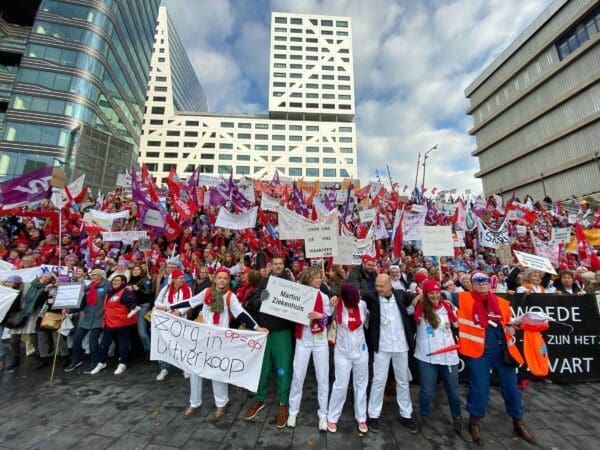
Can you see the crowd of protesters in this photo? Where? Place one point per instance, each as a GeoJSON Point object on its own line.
{"type": "Point", "coordinates": [206, 272]}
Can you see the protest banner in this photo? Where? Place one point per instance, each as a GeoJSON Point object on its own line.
{"type": "Point", "coordinates": [5, 265]}
{"type": "Point", "coordinates": [548, 250]}
{"type": "Point", "coordinates": [437, 241]}
{"type": "Point", "coordinates": [153, 218]}
{"type": "Point", "coordinates": [7, 297]}
{"type": "Point", "coordinates": [268, 203]}
{"type": "Point", "coordinates": [492, 239]}
{"type": "Point", "coordinates": [127, 236]}
{"type": "Point", "coordinates": [241, 221]}
{"type": "Point", "coordinates": [345, 251]}
{"type": "Point", "coordinates": [412, 225]}
{"type": "Point", "coordinates": [68, 295]}
{"type": "Point", "coordinates": [289, 300]}
{"type": "Point", "coordinates": [535, 262]}
{"type": "Point", "coordinates": [320, 240]}
{"type": "Point", "coordinates": [207, 180]}
{"type": "Point", "coordinates": [221, 354]}
{"type": "Point", "coordinates": [367, 215]}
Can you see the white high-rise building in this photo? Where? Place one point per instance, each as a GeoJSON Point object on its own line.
{"type": "Point", "coordinates": [308, 132]}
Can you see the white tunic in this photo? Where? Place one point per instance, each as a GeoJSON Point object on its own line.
{"type": "Point", "coordinates": [392, 338]}
{"type": "Point", "coordinates": [430, 339]}
{"type": "Point", "coordinates": [349, 343]}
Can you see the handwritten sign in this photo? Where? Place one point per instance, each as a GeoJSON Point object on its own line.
{"type": "Point", "coordinates": [289, 300]}
{"type": "Point", "coordinates": [504, 254]}
{"type": "Point", "coordinates": [367, 215]}
{"type": "Point", "coordinates": [222, 354]}
{"type": "Point", "coordinates": [231, 221]}
{"type": "Point", "coordinates": [320, 241]}
{"type": "Point", "coordinates": [68, 295]}
{"type": "Point", "coordinates": [535, 262]}
{"type": "Point", "coordinates": [127, 236]}
{"type": "Point", "coordinates": [561, 235]}
{"type": "Point", "coordinates": [345, 251]}
{"type": "Point", "coordinates": [437, 241]}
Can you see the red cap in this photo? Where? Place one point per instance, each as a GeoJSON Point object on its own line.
{"type": "Point", "coordinates": [430, 285]}
{"type": "Point", "coordinates": [222, 270]}
{"type": "Point", "coordinates": [368, 258]}
{"type": "Point", "coordinates": [246, 269]}
{"type": "Point", "coordinates": [176, 273]}
{"type": "Point", "coordinates": [420, 277]}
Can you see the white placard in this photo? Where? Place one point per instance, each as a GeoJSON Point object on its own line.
{"type": "Point", "coordinates": [129, 236]}
{"type": "Point", "coordinates": [412, 225]}
{"type": "Point", "coordinates": [521, 230]}
{"type": "Point", "coordinates": [268, 203]}
{"type": "Point", "coordinates": [207, 180]}
{"type": "Point", "coordinates": [561, 235]}
{"type": "Point", "coordinates": [492, 239]}
{"type": "Point", "coordinates": [222, 354]}
{"type": "Point", "coordinates": [535, 262]}
{"type": "Point", "coordinates": [7, 297]}
{"type": "Point", "coordinates": [572, 218]}
{"type": "Point", "coordinates": [289, 300]}
{"type": "Point", "coordinates": [345, 251]}
{"type": "Point", "coordinates": [68, 295]}
{"type": "Point", "coordinates": [367, 215]}
{"type": "Point", "coordinates": [153, 218]}
{"type": "Point", "coordinates": [416, 208]}
{"type": "Point", "coordinates": [437, 241]}
{"type": "Point", "coordinates": [5, 265]}
{"type": "Point", "coordinates": [124, 180]}
{"type": "Point", "coordinates": [144, 244]}
{"type": "Point", "coordinates": [231, 221]}
{"type": "Point", "coordinates": [320, 240]}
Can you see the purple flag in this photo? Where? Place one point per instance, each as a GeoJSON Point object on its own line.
{"type": "Point", "coordinates": [139, 196]}
{"type": "Point", "coordinates": [29, 188]}
{"type": "Point", "coordinates": [298, 200]}
{"type": "Point", "coordinates": [219, 195]}
{"type": "Point", "coordinates": [276, 179]}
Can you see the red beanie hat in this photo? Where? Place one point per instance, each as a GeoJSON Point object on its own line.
{"type": "Point", "coordinates": [420, 277]}
{"type": "Point", "coordinates": [176, 273]}
{"type": "Point", "coordinates": [431, 285]}
{"type": "Point", "coordinates": [222, 270]}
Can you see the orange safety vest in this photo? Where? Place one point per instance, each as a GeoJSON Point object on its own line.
{"type": "Point", "coordinates": [472, 335]}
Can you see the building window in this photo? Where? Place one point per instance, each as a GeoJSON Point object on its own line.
{"type": "Point", "coordinates": [172, 144]}
{"type": "Point", "coordinates": [153, 143]}
{"type": "Point", "coordinates": [295, 159]}
{"type": "Point", "coordinates": [152, 154]}
{"type": "Point", "coordinates": [261, 137]}
{"type": "Point", "coordinates": [278, 126]}
{"type": "Point", "coordinates": [242, 170]}
{"type": "Point", "coordinates": [224, 170]}
{"type": "Point", "coordinates": [225, 157]}
{"type": "Point", "coordinates": [312, 160]}
{"type": "Point", "coordinates": [346, 150]}
{"type": "Point", "coordinates": [312, 172]}
{"type": "Point", "coordinates": [225, 146]}
{"type": "Point", "coordinates": [579, 34]}
{"type": "Point", "coordinates": [191, 134]}
{"type": "Point", "coordinates": [243, 157]}
{"type": "Point", "coordinates": [344, 173]}
{"type": "Point", "coordinates": [295, 172]}
{"type": "Point", "coordinates": [160, 89]}
{"type": "Point", "coordinates": [207, 156]}
{"type": "Point", "coordinates": [280, 19]}
{"type": "Point", "coordinates": [261, 126]}
{"type": "Point", "coordinates": [191, 123]}
{"type": "Point", "coordinates": [173, 133]}
{"type": "Point", "coordinates": [261, 147]}
{"type": "Point", "coordinates": [329, 173]}
{"type": "Point", "coordinates": [341, 23]}
{"type": "Point", "coordinates": [244, 125]}
{"type": "Point", "coordinates": [329, 161]}
{"type": "Point", "coordinates": [157, 110]}
{"type": "Point", "coordinates": [345, 129]}
{"type": "Point", "coordinates": [168, 166]}
{"type": "Point", "coordinates": [243, 135]}
{"type": "Point", "coordinates": [312, 149]}
{"type": "Point", "coordinates": [171, 155]}
{"type": "Point", "coordinates": [296, 21]}
{"type": "Point", "coordinates": [328, 150]}
{"type": "Point", "coordinates": [295, 138]}
{"type": "Point", "coordinates": [280, 30]}
{"type": "Point", "coordinates": [226, 124]}
{"type": "Point", "coordinates": [278, 148]}
{"type": "Point", "coordinates": [190, 144]}
{"type": "Point", "coordinates": [345, 140]}
{"type": "Point", "coordinates": [326, 23]}
{"type": "Point", "coordinates": [278, 137]}
{"type": "Point", "coordinates": [156, 122]}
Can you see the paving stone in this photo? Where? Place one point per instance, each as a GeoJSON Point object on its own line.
{"type": "Point", "coordinates": [131, 441]}
{"type": "Point", "coordinates": [93, 442]}
{"type": "Point", "coordinates": [155, 422]}
{"type": "Point", "coordinates": [178, 431]}
{"type": "Point", "coordinates": [15, 426]}
{"type": "Point", "coordinates": [30, 437]}
{"type": "Point", "coordinates": [68, 436]}
{"type": "Point", "coordinates": [122, 422]}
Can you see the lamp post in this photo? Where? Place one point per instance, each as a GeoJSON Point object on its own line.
{"type": "Point", "coordinates": [425, 163]}
{"type": "Point", "coordinates": [417, 174]}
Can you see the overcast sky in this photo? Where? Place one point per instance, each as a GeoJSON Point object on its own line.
{"type": "Point", "coordinates": [412, 62]}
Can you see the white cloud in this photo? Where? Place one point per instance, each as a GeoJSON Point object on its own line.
{"type": "Point", "coordinates": [412, 62]}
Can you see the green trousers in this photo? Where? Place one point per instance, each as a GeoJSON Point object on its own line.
{"type": "Point", "coordinates": [278, 354]}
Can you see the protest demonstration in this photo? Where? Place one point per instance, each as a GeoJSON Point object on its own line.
{"type": "Point", "coordinates": [172, 277]}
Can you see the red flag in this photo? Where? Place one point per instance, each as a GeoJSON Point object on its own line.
{"type": "Point", "coordinates": [521, 214]}
{"type": "Point", "coordinates": [172, 228]}
{"type": "Point", "coordinates": [398, 234]}
{"type": "Point", "coordinates": [597, 218]}
{"type": "Point", "coordinates": [587, 254]}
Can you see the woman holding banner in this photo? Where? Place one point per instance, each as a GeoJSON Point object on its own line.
{"type": "Point", "coordinates": [218, 302]}
{"type": "Point", "coordinates": [312, 341]}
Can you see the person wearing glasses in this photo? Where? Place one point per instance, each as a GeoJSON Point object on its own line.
{"type": "Point", "coordinates": [486, 343]}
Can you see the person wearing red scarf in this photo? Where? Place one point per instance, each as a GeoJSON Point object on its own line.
{"type": "Point", "coordinates": [218, 302]}
{"type": "Point", "coordinates": [485, 344]}
{"type": "Point", "coordinates": [311, 340]}
{"type": "Point", "coordinates": [176, 291]}
{"type": "Point", "coordinates": [350, 356]}
{"type": "Point", "coordinates": [436, 355]}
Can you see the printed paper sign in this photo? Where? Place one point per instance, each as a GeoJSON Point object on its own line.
{"type": "Point", "coordinates": [68, 295]}
{"type": "Point", "coordinates": [127, 236]}
{"type": "Point", "coordinates": [535, 262]}
{"type": "Point", "coordinates": [222, 354]}
{"type": "Point", "coordinates": [153, 218]}
{"type": "Point", "coordinates": [345, 251]}
{"type": "Point", "coordinates": [289, 300]}
{"type": "Point", "coordinates": [367, 215]}
{"type": "Point", "coordinates": [437, 241]}
{"type": "Point", "coordinates": [231, 221]}
{"type": "Point", "coordinates": [561, 235]}
{"type": "Point", "coordinates": [320, 241]}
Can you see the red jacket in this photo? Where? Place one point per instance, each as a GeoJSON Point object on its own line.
{"type": "Point", "coordinates": [116, 309]}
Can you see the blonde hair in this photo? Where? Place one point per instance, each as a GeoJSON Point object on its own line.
{"type": "Point", "coordinates": [309, 274]}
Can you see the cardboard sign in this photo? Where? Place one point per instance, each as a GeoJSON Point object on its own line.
{"type": "Point", "coordinates": [504, 255]}
{"type": "Point", "coordinates": [59, 178]}
{"type": "Point", "coordinates": [217, 353]}
{"type": "Point", "coordinates": [367, 215]}
{"type": "Point", "coordinates": [437, 241]}
{"type": "Point", "coordinates": [345, 251]}
{"type": "Point", "coordinates": [320, 241]}
{"type": "Point", "coordinates": [535, 262]}
{"type": "Point", "coordinates": [561, 235]}
{"type": "Point", "coordinates": [289, 300]}
{"type": "Point", "coordinates": [68, 295]}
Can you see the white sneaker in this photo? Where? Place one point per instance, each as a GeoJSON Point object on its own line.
{"type": "Point", "coordinates": [322, 423]}
{"type": "Point", "coordinates": [186, 375]}
{"type": "Point", "coordinates": [291, 422]}
{"type": "Point", "coordinates": [120, 369]}
{"type": "Point", "coordinates": [162, 375]}
{"type": "Point", "coordinates": [98, 368]}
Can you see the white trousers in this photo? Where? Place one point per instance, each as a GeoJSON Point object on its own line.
{"type": "Point", "coordinates": [220, 392]}
{"type": "Point", "coordinates": [360, 379]}
{"type": "Point", "coordinates": [381, 366]}
{"type": "Point", "coordinates": [302, 355]}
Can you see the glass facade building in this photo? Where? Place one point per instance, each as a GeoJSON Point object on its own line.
{"type": "Point", "coordinates": [84, 71]}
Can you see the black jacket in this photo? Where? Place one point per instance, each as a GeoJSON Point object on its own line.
{"type": "Point", "coordinates": [364, 281]}
{"type": "Point", "coordinates": [403, 300]}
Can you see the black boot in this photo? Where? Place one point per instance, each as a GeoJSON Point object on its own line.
{"type": "Point", "coordinates": [474, 431]}
{"type": "Point", "coordinates": [13, 364]}
{"type": "Point", "coordinates": [42, 362]}
{"type": "Point", "coordinates": [520, 429]}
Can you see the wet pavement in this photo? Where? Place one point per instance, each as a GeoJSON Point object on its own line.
{"type": "Point", "coordinates": [133, 411]}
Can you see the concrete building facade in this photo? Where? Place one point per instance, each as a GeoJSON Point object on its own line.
{"type": "Point", "coordinates": [307, 133]}
{"type": "Point", "coordinates": [536, 108]}
{"type": "Point", "coordinates": [74, 85]}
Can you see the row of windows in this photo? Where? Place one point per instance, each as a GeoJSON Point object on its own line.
{"type": "Point", "coordinates": [53, 106]}
{"type": "Point", "coordinates": [242, 157]}
{"type": "Point", "coordinates": [324, 22]}
{"type": "Point", "coordinates": [279, 126]}
{"type": "Point", "coordinates": [579, 34]}
{"type": "Point", "coordinates": [258, 137]}
{"type": "Point", "coordinates": [313, 95]}
{"type": "Point", "coordinates": [299, 57]}
{"type": "Point", "coordinates": [36, 134]}
{"type": "Point", "coordinates": [245, 170]}
{"type": "Point", "coordinates": [308, 31]}
{"type": "Point", "coordinates": [299, 48]}
{"type": "Point", "coordinates": [257, 147]}
{"type": "Point", "coordinates": [315, 106]}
